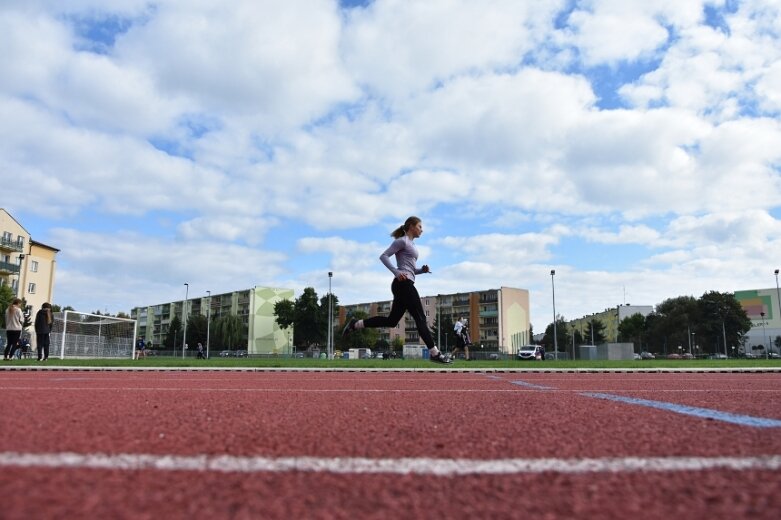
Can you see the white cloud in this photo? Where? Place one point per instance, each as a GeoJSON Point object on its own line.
{"type": "Point", "coordinates": [397, 47]}
{"type": "Point", "coordinates": [273, 63]}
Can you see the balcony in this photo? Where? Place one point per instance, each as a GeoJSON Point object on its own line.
{"type": "Point", "coordinates": [7, 244]}
{"type": "Point", "coordinates": [7, 268]}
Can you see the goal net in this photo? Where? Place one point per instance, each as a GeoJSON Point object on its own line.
{"type": "Point", "coordinates": [81, 335]}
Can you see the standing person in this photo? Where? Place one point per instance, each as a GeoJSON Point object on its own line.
{"type": "Point", "coordinates": [140, 348]}
{"type": "Point", "coordinates": [43, 327]}
{"type": "Point", "coordinates": [14, 319]}
{"type": "Point", "coordinates": [200, 351]}
{"type": "Point", "coordinates": [462, 338]}
{"type": "Point", "coordinates": [405, 295]}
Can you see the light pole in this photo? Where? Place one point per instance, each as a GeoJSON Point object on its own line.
{"type": "Point", "coordinates": [22, 273]}
{"type": "Point", "coordinates": [764, 335]}
{"type": "Point", "coordinates": [439, 321]}
{"type": "Point", "coordinates": [693, 342]}
{"type": "Point", "coordinates": [184, 316]}
{"type": "Point", "coordinates": [330, 319]}
{"type": "Point", "coordinates": [778, 300]}
{"type": "Point", "coordinates": [553, 292]}
{"type": "Point", "coordinates": [208, 321]}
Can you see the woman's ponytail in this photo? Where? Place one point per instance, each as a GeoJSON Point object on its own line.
{"type": "Point", "coordinates": [402, 230]}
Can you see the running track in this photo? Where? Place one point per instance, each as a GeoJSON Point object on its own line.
{"type": "Point", "coordinates": [340, 444]}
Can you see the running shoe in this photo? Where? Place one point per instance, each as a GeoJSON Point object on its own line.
{"type": "Point", "coordinates": [441, 358]}
{"type": "Point", "coordinates": [349, 327]}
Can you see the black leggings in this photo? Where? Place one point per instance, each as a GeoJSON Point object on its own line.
{"type": "Point", "coordinates": [12, 342]}
{"type": "Point", "coordinates": [43, 346]}
{"type": "Point", "coordinates": [405, 299]}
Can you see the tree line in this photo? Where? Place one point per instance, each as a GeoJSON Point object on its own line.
{"type": "Point", "coordinates": [706, 322]}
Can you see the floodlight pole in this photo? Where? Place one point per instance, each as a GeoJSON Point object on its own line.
{"type": "Point", "coordinates": [208, 321]}
{"type": "Point", "coordinates": [778, 308]}
{"type": "Point", "coordinates": [765, 336]}
{"type": "Point", "coordinates": [555, 338]}
{"type": "Point", "coordinates": [330, 330]}
{"type": "Point", "coordinates": [184, 317]}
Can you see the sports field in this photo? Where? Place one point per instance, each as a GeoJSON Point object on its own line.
{"type": "Point", "coordinates": [367, 443]}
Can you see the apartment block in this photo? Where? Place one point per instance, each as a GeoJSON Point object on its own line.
{"type": "Point", "coordinates": [254, 306]}
{"type": "Point", "coordinates": [498, 318]}
{"type": "Point", "coordinates": [27, 266]}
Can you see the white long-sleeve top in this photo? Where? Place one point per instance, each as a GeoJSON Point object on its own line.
{"type": "Point", "coordinates": [14, 319]}
{"type": "Point", "coordinates": [406, 258]}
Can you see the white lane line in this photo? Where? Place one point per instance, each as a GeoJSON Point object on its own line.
{"type": "Point", "coordinates": [417, 466]}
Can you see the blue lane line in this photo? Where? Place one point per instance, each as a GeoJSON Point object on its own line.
{"type": "Point", "coordinates": [531, 385]}
{"type": "Point", "coordinates": [705, 413]}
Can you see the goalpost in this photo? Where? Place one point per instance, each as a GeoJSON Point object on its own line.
{"type": "Point", "coordinates": [82, 335]}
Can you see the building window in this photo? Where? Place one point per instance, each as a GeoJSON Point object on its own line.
{"type": "Point", "coordinates": [31, 288]}
{"type": "Point", "coordinates": [20, 241]}
{"type": "Point", "coordinates": [34, 266]}
{"type": "Point", "coordinates": [6, 236]}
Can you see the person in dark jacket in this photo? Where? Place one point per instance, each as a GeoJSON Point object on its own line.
{"type": "Point", "coordinates": [43, 327]}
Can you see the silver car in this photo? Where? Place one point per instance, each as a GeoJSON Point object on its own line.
{"type": "Point", "coordinates": [531, 353]}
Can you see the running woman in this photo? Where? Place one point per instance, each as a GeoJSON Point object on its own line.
{"type": "Point", "coordinates": [405, 295]}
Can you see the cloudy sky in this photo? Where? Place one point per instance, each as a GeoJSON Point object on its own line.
{"type": "Point", "coordinates": [634, 146]}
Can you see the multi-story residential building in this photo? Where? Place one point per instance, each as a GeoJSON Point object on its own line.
{"type": "Point", "coordinates": [498, 318]}
{"type": "Point", "coordinates": [764, 310]}
{"type": "Point", "coordinates": [254, 306]}
{"type": "Point", "coordinates": [27, 266]}
{"type": "Point", "coordinates": [610, 318]}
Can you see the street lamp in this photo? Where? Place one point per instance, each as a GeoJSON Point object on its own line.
{"type": "Point", "coordinates": [764, 335]}
{"type": "Point", "coordinates": [208, 321]}
{"type": "Point", "coordinates": [22, 273]}
{"type": "Point", "coordinates": [330, 320]}
{"type": "Point", "coordinates": [439, 321]}
{"type": "Point", "coordinates": [184, 316]}
{"type": "Point", "coordinates": [778, 296]}
{"type": "Point", "coordinates": [553, 292]}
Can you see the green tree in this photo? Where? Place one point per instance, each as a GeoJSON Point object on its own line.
{"type": "Point", "coordinates": [720, 313]}
{"type": "Point", "coordinates": [322, 322]}
{"type": "Point", "coordinates": [309, 324]}
{"type": "Point", "coordinates": [196, 330]}
{"type": "Point", "coordinates": [173, 337]}
{"type": "Point", "coordinates": [595, 332]}
{"type": "Point", "coordinates": [672, 323]}
{"type": "Point", "coordinates": [633, 328]}
{"type": "Point", "coordinates": [6, 297]}
{"type": "Point", "coordinates": [359, 338]}
{"type": "Point", "coordinates": [284, 313]}
{"type": "Point", "coordinates": [563, 337]}
{"type": "Point", "coordinates": [397, 345]}
{"type": "Point", "coordinates": [229, 332]}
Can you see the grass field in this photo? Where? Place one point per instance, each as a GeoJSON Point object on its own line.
{"type": "Point", "coordinates": [285, 362]}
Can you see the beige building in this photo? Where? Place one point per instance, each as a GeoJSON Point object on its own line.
{"type": "Point", "coordinates": [255, 308]}
{"type": "Point", "coordinates": [498, 318]}
{"type": "Point", "coordinates": [27, 266]}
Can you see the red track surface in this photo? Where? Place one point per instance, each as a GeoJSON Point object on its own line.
{"type": "Point", "coordinates": [442, 416]}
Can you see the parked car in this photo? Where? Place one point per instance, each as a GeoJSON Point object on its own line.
{"type": "Point", "coordinates": [241, 353]}
{"type": "Point", "coordinates": [774, 355]}
{"type": "Point", "coordinates": [673, 356]}
{"type": "Point", "coordinates": [717, 356]}
{"type": "Point", "coordinates": [686, 355]}
{"type": "Point", "coordinates": [531, 352]}
{"type": "Point", "coordinates": [226, 353]}
{"type": "Point", "coordinates": [646, 355]}
{"type": "Point", "coordinates": [636, 356]}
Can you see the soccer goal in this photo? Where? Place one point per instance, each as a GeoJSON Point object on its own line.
{"type": "Point", "coordinates": [81, 335]}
